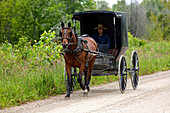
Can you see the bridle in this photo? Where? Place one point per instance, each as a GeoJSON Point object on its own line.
{"type": "Point", "coordinates": [65, 36]}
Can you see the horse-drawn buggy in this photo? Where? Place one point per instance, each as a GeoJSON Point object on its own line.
{"type": "Point", "coordinates": [84, 57]}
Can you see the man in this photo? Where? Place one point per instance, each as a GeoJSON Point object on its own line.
{"type": "Point", "coordinates": [101, 37]}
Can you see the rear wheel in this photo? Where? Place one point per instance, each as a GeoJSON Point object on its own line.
{"type": "Point", "coordinates": [122, 74]}
{"type": "Point", "coordinates": [134, 66]}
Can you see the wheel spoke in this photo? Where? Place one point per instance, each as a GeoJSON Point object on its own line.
{"type": "Point", "coordinates": [125, 68]}
{"type": "Point", "coordinates": [125, 81]}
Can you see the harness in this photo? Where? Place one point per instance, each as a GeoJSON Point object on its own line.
{"type": "Point", "coordinates": [79, 47]}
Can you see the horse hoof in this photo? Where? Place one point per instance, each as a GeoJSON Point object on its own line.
{"type": "Point", "coordinates": [88, 88]}
{"type": "Point", "coordinates": [67, 96]}
{"type": "Point", "coordinates": [83, 88]}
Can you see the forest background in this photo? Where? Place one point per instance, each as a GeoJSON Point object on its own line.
{"type": "Point", "coordinates": [30, 18]}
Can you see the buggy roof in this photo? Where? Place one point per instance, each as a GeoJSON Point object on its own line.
{"type": "Point", "coordinates": [77, 16]}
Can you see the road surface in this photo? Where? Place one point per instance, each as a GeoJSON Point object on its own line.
{"type": "Point", "coordinates": [152, 96]}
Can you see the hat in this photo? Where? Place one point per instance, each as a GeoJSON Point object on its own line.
{"type": "Point", "coordinates": [100, 26]}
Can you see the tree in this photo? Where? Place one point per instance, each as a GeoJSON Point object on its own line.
{"type": "Point", "coordinates": [30, 18]}
{"type": "Point", "coordinates": [154, 29]}
{"type": "Point", "coordinates": [102, 5]}
{"type": "Point", "coordinates": [120, 6]}
{"type": "Point", "coordinates": [77, 5]}
{"type": "Point", "coordinates": [158, 14]}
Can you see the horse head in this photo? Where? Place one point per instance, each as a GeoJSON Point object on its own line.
{"type": "Point", "coordinates": [67, 36]}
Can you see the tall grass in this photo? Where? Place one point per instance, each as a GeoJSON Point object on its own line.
{"type": "Point", "coordinates": [20, 84]}
{"type": "Point", "coordinates": [28, 74]}
{"type": "Point", "coordinates": [154, 56]}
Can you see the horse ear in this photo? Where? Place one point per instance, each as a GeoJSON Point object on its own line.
{"type": "Point", "coordinates": [60, 34]}
{"type": "Point", "coordinates": [69, 24]}
{"type": "Point", "coordinates": [62, 24]}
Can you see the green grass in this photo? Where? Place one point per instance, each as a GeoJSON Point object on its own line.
{"type": "Point", "coordinates": [153, 57]}
{"type": "Point", "coordinates": [21, 82]}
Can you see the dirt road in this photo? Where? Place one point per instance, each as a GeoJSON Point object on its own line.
{"type": "Point", "coordinates": [152, 96]}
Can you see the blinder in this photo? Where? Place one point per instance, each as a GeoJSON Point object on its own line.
{"type": "Point", "coordinates": [60, 34]}
{"type": "Point", "coordinates": [66, 37]}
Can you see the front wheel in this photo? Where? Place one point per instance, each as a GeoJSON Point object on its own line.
{"type": "Point", "coordinates": [122, 74]}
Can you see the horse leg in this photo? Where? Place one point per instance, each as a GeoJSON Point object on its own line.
{"type": "Point", "coordinates": [85, 74]}
{"type": "Point", "coordinates": [88, 77]}
{"type": "Point", "coordinates": [68, 69]}
{"type": "Point", "coordinates": [79, 79]}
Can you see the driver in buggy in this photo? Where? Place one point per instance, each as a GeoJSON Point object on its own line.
{"type": "Point", "coordinates": [101, 37]}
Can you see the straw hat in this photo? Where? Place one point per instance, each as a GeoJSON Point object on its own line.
{"type": "Point", "coordinates": [100, 26]}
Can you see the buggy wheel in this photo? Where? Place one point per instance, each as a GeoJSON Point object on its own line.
{"type": "Point", "coordinates": [134, 67]}
{"type": "Point", "coordinates": [122, 74]}
{"type": "Point", "coordinates": [73, 74]}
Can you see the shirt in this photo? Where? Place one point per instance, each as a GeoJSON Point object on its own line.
{"type": "Point", "coordinates": [104, 39]}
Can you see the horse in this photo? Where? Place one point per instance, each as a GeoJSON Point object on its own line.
{"type": "Point", "coordinates": [76, 55]}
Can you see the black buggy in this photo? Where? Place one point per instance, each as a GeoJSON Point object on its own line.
{"type": "Point", "coordinates": [106, 63]}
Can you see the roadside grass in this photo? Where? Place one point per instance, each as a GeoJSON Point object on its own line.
{"type": "Point", "coordinates": [154, 56]}
{"type": "Point", "coordinates": [20, 82]}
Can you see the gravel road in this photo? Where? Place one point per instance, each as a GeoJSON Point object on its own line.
{"type": "Point", "coordinates": [152, 96]}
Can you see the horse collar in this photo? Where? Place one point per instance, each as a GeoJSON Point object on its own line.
{"type": "Point", "coordinates": [77, 50]}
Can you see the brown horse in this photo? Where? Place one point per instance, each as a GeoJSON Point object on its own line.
{"type": "Point", "coordinates": [76, 56]}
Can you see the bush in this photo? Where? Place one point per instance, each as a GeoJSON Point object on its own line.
{"type": "Point", "coordinates": [134, 41]}
{"type": "Point", "coordinates": [27, 72]}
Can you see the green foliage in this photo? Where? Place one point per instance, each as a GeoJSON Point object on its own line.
{"type": "Point", "coordinates": [157, 19]}
{"type": "Point", "coordinates": [134, 41]}
{"type": "Point", "coordinates": [154, 57]}
{"type": "Point", "coordinates": [77, 5]}
{"type": "Point", "coordinates": [120, 6]}
{"type": "Point", "coordinates": [166, 26]}
{"type": "Point", "coordinates": [29, 18]}
{"type": "Point", "coordinates": [27, 73]}
{"type": "Point", "coordinates": [102, 5]}
{"type": "Point", "coordinates": [154, 29]}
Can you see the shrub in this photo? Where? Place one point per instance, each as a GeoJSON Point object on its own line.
{"type": "Point", "coordinates": [134, 41]}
